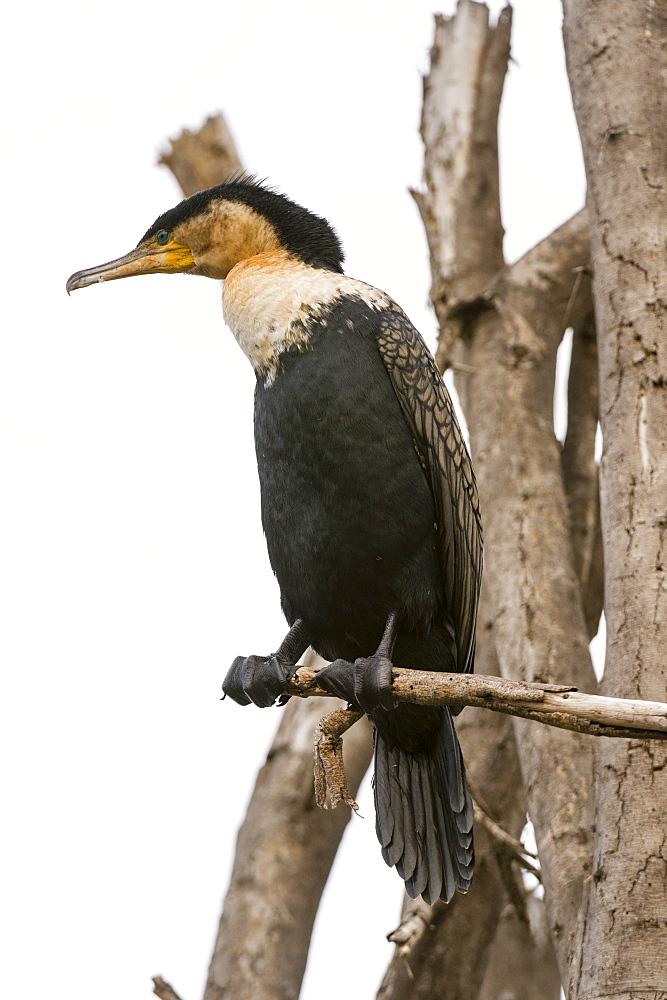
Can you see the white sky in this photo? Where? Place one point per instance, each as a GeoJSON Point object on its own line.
{"type": "Point", "coordinates": [133, 566]}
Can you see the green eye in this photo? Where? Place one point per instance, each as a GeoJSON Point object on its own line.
{"type": "Point", "coordinates": [162, 237]}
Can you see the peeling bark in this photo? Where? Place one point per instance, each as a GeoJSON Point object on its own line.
{"type": "Point", "coordinates": [624, 924]}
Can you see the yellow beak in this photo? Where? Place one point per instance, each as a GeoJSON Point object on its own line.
{"type": "Point", "coordinates": [148, 258]}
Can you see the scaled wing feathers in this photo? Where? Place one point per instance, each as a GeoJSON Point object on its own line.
{"type": "Point", "coordinates": [428, 410]}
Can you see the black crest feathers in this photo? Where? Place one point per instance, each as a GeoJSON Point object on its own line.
{"type": "Point", "coordinates": [308, 236]}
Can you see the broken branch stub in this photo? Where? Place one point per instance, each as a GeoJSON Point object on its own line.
{"type": "Point", "coordinates": [330, 782]}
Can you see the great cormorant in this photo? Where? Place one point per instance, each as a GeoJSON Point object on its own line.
{"type": "Point", "coordinates": [369, 503]}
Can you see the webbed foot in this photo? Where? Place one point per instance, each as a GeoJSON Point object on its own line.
{"type": "Point", "coordinates": [257, 679]}
{"type": "Point", "coordinates": [263, 679]}
{"type": "Point", "coordinates": [366, 682]}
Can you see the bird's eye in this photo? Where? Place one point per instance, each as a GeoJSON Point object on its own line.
{"type": "Point", "coordinates": [162, 237]}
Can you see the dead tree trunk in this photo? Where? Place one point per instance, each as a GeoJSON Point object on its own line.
{"type": "Point", "coordinates": [617, 63]}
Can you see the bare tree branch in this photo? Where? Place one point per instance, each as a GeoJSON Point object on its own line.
{"type": "Point", "coordinates": [461, 207]}
{"type": "Point", "coordinates": [556, 705]}
{"type": "Point", "coordinates": [163, 989]}
{"type": "Point", "coordinates": [201, 159]}
{"type": "Point", "coordinates": [512, 848]}
{"type": "Point", "coordinates": [468, 65]}
{"type": "Point", "coordinates": [425, 963]}
{"type": "Point", "coordinates": [505, 361]}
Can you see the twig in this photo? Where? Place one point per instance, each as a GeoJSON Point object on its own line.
{"type": "Point", "coordinates": [330, 781]}
{"type": "Point", "coordinates": [552, 704]}
{"type": "Point", "coordinates": [163, 989]}
{"type": "Point", "coordinates": [504, 842]}
{"type": "Point", "coordinates": [512, 849]}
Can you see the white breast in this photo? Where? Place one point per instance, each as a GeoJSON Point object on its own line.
{"type": "Point", "coordinates": [271, 301]}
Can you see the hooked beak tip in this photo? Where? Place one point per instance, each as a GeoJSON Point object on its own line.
{"type": "Point", "coordinates": [72, 283]}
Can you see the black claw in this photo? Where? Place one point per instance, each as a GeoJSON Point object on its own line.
{"type": "Point", "coordinates": [366, 682]}
{"type": "Point", "coordinates": [372, 683]}
{"type": "Point", "coordinates": [232, 686]}
{"type": "Point", "coordinates": [258, 679]}
{"type": "Point", "coordinates": [338, 679]}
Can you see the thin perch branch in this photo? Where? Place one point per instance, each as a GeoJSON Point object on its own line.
{"type": "Point", "coordinates": [552, 704]}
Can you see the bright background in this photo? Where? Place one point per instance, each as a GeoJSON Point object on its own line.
{"type": "Point", "coordinates": [133, 566]}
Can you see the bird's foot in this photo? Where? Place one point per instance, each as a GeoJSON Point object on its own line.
{"type": "Point", "coordinates": [258, 679]}
{"type": "Point", "coordinates": [366, 682]}
{"type": "Point", "coordinates": [262, 679]}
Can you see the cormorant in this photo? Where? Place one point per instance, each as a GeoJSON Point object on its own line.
{"type": "Point", "coordinates": [369, 503]}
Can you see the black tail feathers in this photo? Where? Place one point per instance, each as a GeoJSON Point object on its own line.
{"type": "Point", "coordinates": [423, 815]}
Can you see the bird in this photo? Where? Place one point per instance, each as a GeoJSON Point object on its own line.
{"type": "Point", "coordinates": [368, 498]}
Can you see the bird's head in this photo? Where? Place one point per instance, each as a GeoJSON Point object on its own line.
{"type": "Point", "coordinates": [212, 231]}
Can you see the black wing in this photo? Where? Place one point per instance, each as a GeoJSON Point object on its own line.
{"type": "Point", "coordinates": [428, 410]}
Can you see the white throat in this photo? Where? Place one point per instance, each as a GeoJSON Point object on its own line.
{"type": "Point", "coordinates": [270, 303]}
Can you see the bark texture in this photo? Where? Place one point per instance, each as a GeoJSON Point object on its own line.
{"type": "Point", "coordinates": [624, 927]}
